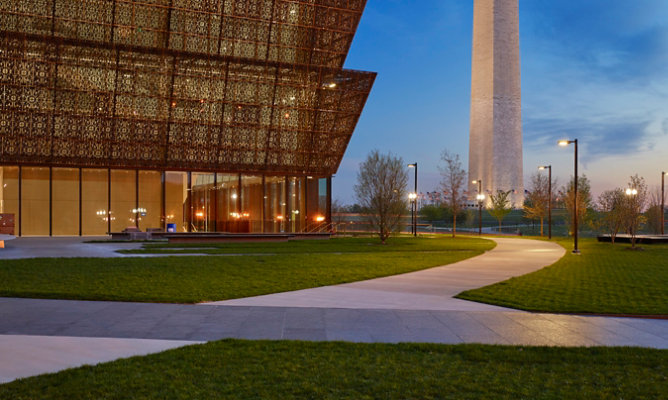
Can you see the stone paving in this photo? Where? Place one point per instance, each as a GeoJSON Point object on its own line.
{"type": "Point", "coordinates": [181, 322]}
{"type": "Point", "coordinates": [402, 308]}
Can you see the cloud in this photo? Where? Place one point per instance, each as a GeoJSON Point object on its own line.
{"type": "Point", "coordinates": [597, 139]}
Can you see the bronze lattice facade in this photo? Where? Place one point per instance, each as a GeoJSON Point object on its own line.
{"type": "Point", "coordinates": [248, 87]}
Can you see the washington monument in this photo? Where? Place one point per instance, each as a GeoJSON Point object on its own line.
{"type": "Point", "coordinates": [495, 142]}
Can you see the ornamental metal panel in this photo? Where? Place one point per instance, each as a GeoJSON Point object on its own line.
{"type": "Point", "coordinates": [226, 85]}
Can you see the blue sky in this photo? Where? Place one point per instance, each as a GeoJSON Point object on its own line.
{"type": "Point", "coordinates": [596, 70]}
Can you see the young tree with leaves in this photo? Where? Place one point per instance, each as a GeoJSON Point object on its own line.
{"type": "Point", "coordinates": [381, 191]}
{"type": "Point", "coordinates": [636, 200]}
{"type": "Point", "coordinates": [584, 200]}
{"type": "Point", "coordinates": [653, 214]}
{"type": "Point", "coordinates": [453, 179]}
{"type": "Point", "coordinates": [611, 205]}
{"type": "Point", "coordinates": [500, 205]}
{"type": "Point", "coordinates": [536, 202]}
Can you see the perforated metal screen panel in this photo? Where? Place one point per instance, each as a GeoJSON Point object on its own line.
{"type": "Point", "coordinates": [245, 86]}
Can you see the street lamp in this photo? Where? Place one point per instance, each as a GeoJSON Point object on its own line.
{"type": "Point", "coordinates": [564, 143]}
{"type": "Point", "coordinates": [480, 197]}
{"type": "Point", "coordinates": [549, 199]}
{"type": "Point", "coordinates": [412, 196]}
{"type": "Point", "coordinates": [663, 200]}
{"type": "Point", "coordinates": [414, 165]}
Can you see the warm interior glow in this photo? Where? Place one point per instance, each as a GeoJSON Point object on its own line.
{"type": "Point", "coordinates": [319, 218]}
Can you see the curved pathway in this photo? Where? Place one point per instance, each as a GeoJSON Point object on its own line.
{"type": "Point", "coordinates": [39, 336]}
{"type": "Point", "coordinates": [430, 289]}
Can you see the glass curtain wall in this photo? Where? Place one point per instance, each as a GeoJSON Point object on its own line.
{"type": "Point", "coordinates": [35, 201]}
{"type": "Point", "coordinates": [65, 202]}
{"type": "Point", "coordinates": [9, 200]}
{"type": "Point", "coordinates": [176, 201]}
{"type": "Point", "coordinates": [296, 210]}
{"type": "Point", "coordinates": [202, 205]}
{"type": "Point", "coordinates": [251, 203]}
{"type": "Point", "coordinates": [94, 202]}
{"type": "Point", "coordinates": [316, 204]}
{"type": "Point", "coordinates": [181, 201]}
{"type": "Point", "coordinates": [150, 200]}
{"type": "Point", "coordinates": [123, 199]}
{"type": "Point", "coordinates": [274, 204]}
{"type": "Point", "coordinates": [228, 210]}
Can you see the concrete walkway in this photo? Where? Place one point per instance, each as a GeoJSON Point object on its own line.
{"type": "Point", "coordinates": [431, 289]}
{"type": "Point", "coordinates": [38, 336]}
{"type": "Point", "coordinates": [66, 246]}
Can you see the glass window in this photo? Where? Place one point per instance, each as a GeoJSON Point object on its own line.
{"type": "Point", "coordinates": [123, 199]}
{"type": "Point", "coordinates": [316, 203]}
{"type": "Point", "coordinates": [274, 204]}
{"type": "Point", "coordinates": [94, 201]}
{"type": "Point", "coordinates": [296, 211]}
{"type": "Point", "coordinates": [35, 201]}
{"type": "Point", "coordinates": [322, 196]}
{"type": "Point", "coordinates": [176, 197]}
{"type": "Point", "coordinates": [227, 202]}
{"type": "Point", "coordinates": [251, 203]}
{"type": "Point", "coordinates": [202, 202]}
{"type": "Point", "coordinates": [65, 201]}
{"type": "Point", "coordinates": [150, 200]}
{"type": "Point", "coordinates": [9, 200]}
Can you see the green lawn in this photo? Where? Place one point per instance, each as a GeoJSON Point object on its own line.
{"type": "Point", "coordinates": [605, 278]}
{"type": "Point", "coordinates": [233, 369]}
{"type": "Point", "coordinates": [191, 279]}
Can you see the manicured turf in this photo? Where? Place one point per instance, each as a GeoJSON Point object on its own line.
{"type": "Point", "coordinates": [604, 279]}
{"type": "Point", "coordinates": [234, 369]}
{"type": "Point", "coordinates": [191, 279]}
{"type": "Point", "coordinates": [364, 244]}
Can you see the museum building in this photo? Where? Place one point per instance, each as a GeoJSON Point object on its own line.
{"type": "Point", "coordinates": [195, 115]}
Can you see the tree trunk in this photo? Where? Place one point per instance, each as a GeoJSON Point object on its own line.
{"type": "Point", "coordinates": [454, 224]}
{"type": "Point", "coordinates": [541, 227]}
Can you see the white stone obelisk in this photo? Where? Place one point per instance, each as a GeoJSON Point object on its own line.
{"type": "Point", "coordinates": [495, 141]}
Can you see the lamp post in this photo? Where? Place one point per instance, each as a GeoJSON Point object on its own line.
{"type": "Point", "coordinates": [631, 193]}
{"type": "Point", "coordinates": [412, 197]}
{"type": "Point", "coordinates": [414, 228]}
{"type": "Point", "coordinates": [480, 197]}
{"type": "Point", "coordinates": [549, 199]}
{"type": "Point", "coordinates": [663, 200]}
{"type": "Point", "coordinates": [575, 193]}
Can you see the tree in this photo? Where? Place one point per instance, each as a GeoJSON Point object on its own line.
{"type": "Point", "coordinates": [584, 201]}
{"type": "Point", "coordinates": [611, 205]}
{"type": "Point", "coordinates": [653, 214]}
{"type": "Point", "coordinates": [635, 205]}
{"type": "Point", "coordinates": [536, 202]}
{"type": "Point", "coordinates": [499, 205]}
{"type": "Point", "coordinates": [431, 213]}
{"type": "Point", "coordinates": [381, 192]}
{"type": "Point", "coordinates": [452, 182]}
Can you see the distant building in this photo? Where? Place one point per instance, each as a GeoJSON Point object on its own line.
{"type": "Point", "coordinates": [220, 115]}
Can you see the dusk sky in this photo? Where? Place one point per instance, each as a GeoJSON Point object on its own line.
{"type": "Point", "coordinates": [595, 70]}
